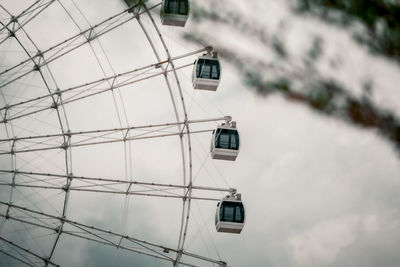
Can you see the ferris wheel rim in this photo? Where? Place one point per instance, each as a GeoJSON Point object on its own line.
{"type": "Point", "coordinates": [66, 156]}
{"type": "Point", "coordinates": [186, 122]}
{"type": "Point", "coordinates": [185, 208]}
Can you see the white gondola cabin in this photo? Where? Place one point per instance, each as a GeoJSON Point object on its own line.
{"type": "Point", "coordinates": [206, 72]}
{"type": "Point", "coordinates": [225, 142]}
{"type": "Point", "coordinates": [174, 12]}
{"type": "Point", "coordinates": [230, 215]}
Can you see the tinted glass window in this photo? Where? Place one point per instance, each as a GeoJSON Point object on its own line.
{"type": "Point", "coordinates": [215, 72]}
{"type": "Point", "coordinates": [232, 212]}
{"type": "Point", "coordinates": [183, 8]}
{"type": "Point", "coordinates": [176, 7]}
{"type": "Point", "coordinates": [216, 214]}
{"type": "Point", "coordinates": [208, 69]}
{"type": "Point", "coordinates": [229, 214]}
{"type": "Point", "coordinates": [205, 71]}
{"type": "Point", "coordinates": [238, 214]}
{"type": "Point", "coordinates": [227, 139]}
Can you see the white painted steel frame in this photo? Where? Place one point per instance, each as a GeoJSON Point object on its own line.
{"type": "Point", "coordinates": [186, 201]}
{"type": "Point", "coordinates": [66, 151]}
{"type": "Point", "coordinates": [64, 48]}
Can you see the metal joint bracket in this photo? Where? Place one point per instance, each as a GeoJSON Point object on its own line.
{"type": "Point", "coordinates": [126, 135]}
{"type": "Point", "coordinates": [69, 179]}
{"type": "Point", "coordinates": [58, 229]}
{"type": "Point", "coordinates": [8, 210]}
{"type": "Point", "coordinates": [58, 92]}
{"type": "Point", "coordinates": [6, 107]}
{"type": "Point", "coordinates": [68, 134]}
{"type": "Point", "coordinates": [66, 187]}
{"type": "Point", "coordinates": [13, 177]}
{"type": "Point", "coordinates": [129, 188]}
{"type": "Point", "coordinates": [113, 83]}
{"type": "Point", "coordinates": [39, 54]}
{"type": "Point", "coordinates": [13, 19]}
{"type": "Point", "coordinates": [54, 105]}
{"type": "Point", "coordinates": [209, 49]}
{"type": "Point", "coordinates": [131, 9]}
{"type": "Point", "coordinates": [179, 252]}
{"type": "Point", "coordinates": [64, 146]}
{"type": "Point", "coordinates": [91, 36]}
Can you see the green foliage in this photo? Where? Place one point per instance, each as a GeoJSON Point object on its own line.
{"type": "Point", "coordinates": [320, 98]}
{"type": "Point", "coordinates": [278, 46]}
{"type": "Point", "coordinates": [302, 83]}
{"type": "Point", "coordinates": [381, 18]}
{"type": "Point", "coordinates": [316, 50]}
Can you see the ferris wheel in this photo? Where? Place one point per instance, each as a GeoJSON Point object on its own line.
{"type": "Point", "coordinates": [100, 127]}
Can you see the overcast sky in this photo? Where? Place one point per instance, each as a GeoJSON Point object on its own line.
{"type": "Point", "coordinates": [317, 191]}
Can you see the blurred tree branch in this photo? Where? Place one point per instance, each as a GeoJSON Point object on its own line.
{"type": "Point", "coordinates": [381, 18]}
{"type": "Point", "coordinates": [302, 82]}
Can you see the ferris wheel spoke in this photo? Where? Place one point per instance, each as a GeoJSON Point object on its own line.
{"type": "Point", "coordinates": [19, 209]}
{"type": "Point", "coordinates": [82, 86]}
{"type": "Point", "coordinates": [69, 144]}
{"type": "Point", "coordinates": [14, 76]}
{"type": "Point", "coordinates": [114, 186]}
{"type": "Point", "coordinates": [95, 234]}
{"type": "Point", "coordinates": [30, 12]}
{"type": "Point", "coordinates": [97, 137]}
{"type": "Point", "coordinates": [22, 249]}
{"type": "Point", "coordinates": [88, 88]}
{"type": "Point", "coordinates": [31, 58]}
{"type": "Point", "coordinates": [16, 258]}
{"type": "Point", "coordinates": [115, 192]}
{"type": "Point", "coordinates": [70, 44]}
{"type": "Point", "coordinates": [102, 237]}
{"type": "Point", "coordinates": [88, 235]}
{"type": "Point", "coordinates": [119, 246]}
